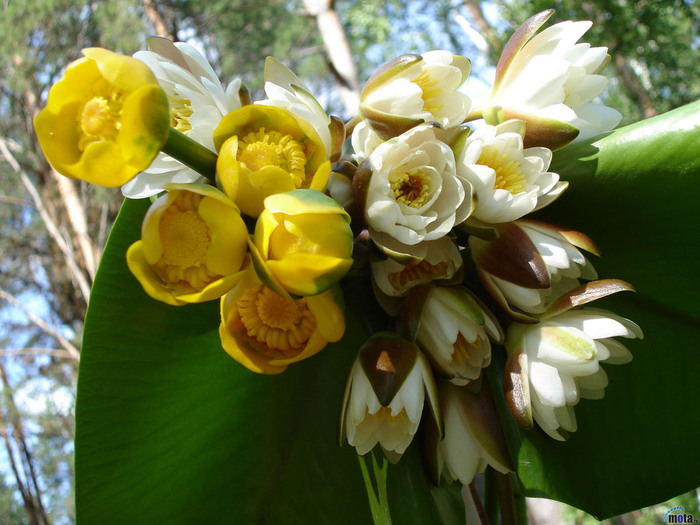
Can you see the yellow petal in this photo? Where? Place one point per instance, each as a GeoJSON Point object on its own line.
{"type": "Point", "coordinates": [255, 187]}
{"type": "Point", "coordinates": [304, 274]}
{"type": "Point", "coordinates": [328, 309]}
{"type": "Point", "coordinates": [144, 273]}
{"type": "Point", "coordinates": [229, 236]}
{"type": "Point", "coordinates": [125, 72]}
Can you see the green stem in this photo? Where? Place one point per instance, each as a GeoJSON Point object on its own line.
{"type": "Point", "coordinates": [378, 501]}
{"type": "Point", "coordinates": [191, 153]}
{"type": "Point", "coordinates": [503, 499]}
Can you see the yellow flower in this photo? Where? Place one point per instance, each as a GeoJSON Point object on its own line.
{"type": "Point", "coordinates": [265, 150]}
{"type": "Point", "coordinates": [266, 332]}
{"type": "Point", "coordinates": [303, 242]}
{"type": "Point", "coordinates": [192, 248]}
{"type": "Point", "coordinates": [105, 120]}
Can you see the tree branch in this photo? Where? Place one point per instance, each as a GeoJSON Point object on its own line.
{"type": "Point", "coordinates": [36, 321]}
{"type": "Point", "coordinates": [78, 276]}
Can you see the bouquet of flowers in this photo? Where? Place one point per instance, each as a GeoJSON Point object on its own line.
{"type": "Point", "coordinates": [401, 242]}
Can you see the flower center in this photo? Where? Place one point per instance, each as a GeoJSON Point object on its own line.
{"type": "Point", "coordinates": [430, 88]}
{"type": "Point", "coordinates": [99, 120]}
{"type": "Point", "coordinates": [509, 177]}
{"type": "Point", "coordinates": [421, 272]}
{"type": "Point", "coordinates": [411, 189]}
{"type": "Point", "coordinates": [384, 416]}
{"type": "Point", "coordinates": [271, 148]}
{"type": "Point", "coordinates": [275, 326]}
{"type": "Point", "coordinates": [180, 113]}
{"type": "Point", "coordinates": [463, 348]}
{"type": "Point", "coordinates": [185, 239]}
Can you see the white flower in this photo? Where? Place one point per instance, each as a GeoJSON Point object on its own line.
{"type": "Point", "coordinates": [412, 89]}
{"type": "Point", "coordinates": [364, 141]}
{"type": "Point", "coordinates": [426, 262]}
{"type": "Point", "coordinates": [414, 194]}
{"type": "Point", "coordinates": [385, 394]}
{"type": "Point", "coordinates": [531, 264]}
{"type": "Point", "coordinates": [549, 80]}
{"type": "Point", "coordinates": [197, 101]}
{"type": "Point", "coordinates": [473, 435]}
{"type": "Point", "coordinates": [285, 91]}
{"type": "Point", "coordinates": [454, 331]}
{"type": "Point", "coordinates": [508, 181]}
{"type": "Point", "coordinates": [554, 363]}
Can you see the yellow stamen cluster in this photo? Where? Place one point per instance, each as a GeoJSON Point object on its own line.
{"type": "Point", "coordinates": [275, 326]}
{"type": "Point", "coordinates": [430, 88]}
{"type": "Point", "coordinates": [411, 188]}
{"type": "Point", "coordinates": [271, 148]}
{"type": "Point", "coordinates": [100, 117]}
{"type": "Point", "coordinates": [180, 113]}
{"type": "Point", "coordinates": [509, 177]}
{"type": "Point", "coordinates": [418, 272]}
{"type": "Point", "coordinates": [462, 348]}
{"type": "Point", "coordinates": [383, 416]}
{"type": "Point", "coordinates": [185, 239]}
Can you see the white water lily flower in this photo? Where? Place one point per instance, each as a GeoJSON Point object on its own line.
{"type": "Point", "coordinates": [385, 394]}
{"type": "Point", "coordinates": [285, 91]}
{"type": "Point", "coordinates": [455, 331]}
{"type": "Point", "coordinates": [198, 102]}
{"type": "Point", "coordinates": [364, 141]}
{"type": "Point", "coordinates": [412, 89]}
{"type": "Point", "coordinates": [414, 194]}
{"type": "Point", "coordinates": [531, 264]}
{"type": "Point", "coordinates": [426, 262]}
{"type": "Point", "coordinates": [509, 181]}
{"type": "Point", "coordinates": [557, 362]}
{"type": "Point", "coordinates": [552, 82]}
{"type": "Point", "coordinates": [473, 435]}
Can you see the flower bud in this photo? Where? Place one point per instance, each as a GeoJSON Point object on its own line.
{"type": "Point", "coordinates": [452, 329]}
{"type": "Point", "coordinates": [303, 242]}
{"type": "Point", "coordinates": [530, 265]}
{"type": "Point", "coordinates": [384, 395]}
{"type": "Point", "coordinates": [554, 363]}
{"type": "Point", "coordinates": [413, 89]}
{"type": "Point", "coordinates": [473, 439]}
{"type": "Point", "coordinates": [550, 81]}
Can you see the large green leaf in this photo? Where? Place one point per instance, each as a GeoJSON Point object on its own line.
{"type": "Point", "coordinates": [635, 192]}
{"type": "Point", "coordinates": [171, 430]}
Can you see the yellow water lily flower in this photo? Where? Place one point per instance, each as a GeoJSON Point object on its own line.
{"type": "Point", "coordinates": [266, 332]}
{"type": "Point", "coordinates": [192, 248]}
{"type": "Point", "coordinates": [265, 150]}
{"type": "Point", "coordinates": [303, 242]}
{"type": "Point", "coordinates": [106, 119]}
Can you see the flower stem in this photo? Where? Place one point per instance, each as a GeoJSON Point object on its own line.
{"type": "Point", "coordinates": [191, 153]}
{"type": "Point", "coordinates": [378, 501]}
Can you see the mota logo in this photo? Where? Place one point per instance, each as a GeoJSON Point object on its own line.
{"type": "Point", "coordinates": [677, 515]}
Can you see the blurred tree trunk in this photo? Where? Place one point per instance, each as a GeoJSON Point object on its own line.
{"type": "Point", "coordinates": [339, 57]}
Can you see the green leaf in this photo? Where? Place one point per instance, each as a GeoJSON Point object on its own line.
{"type": "Point", "coordinates": [172, 430]}
{"type": "Point", "coordinates": [635, 193]}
